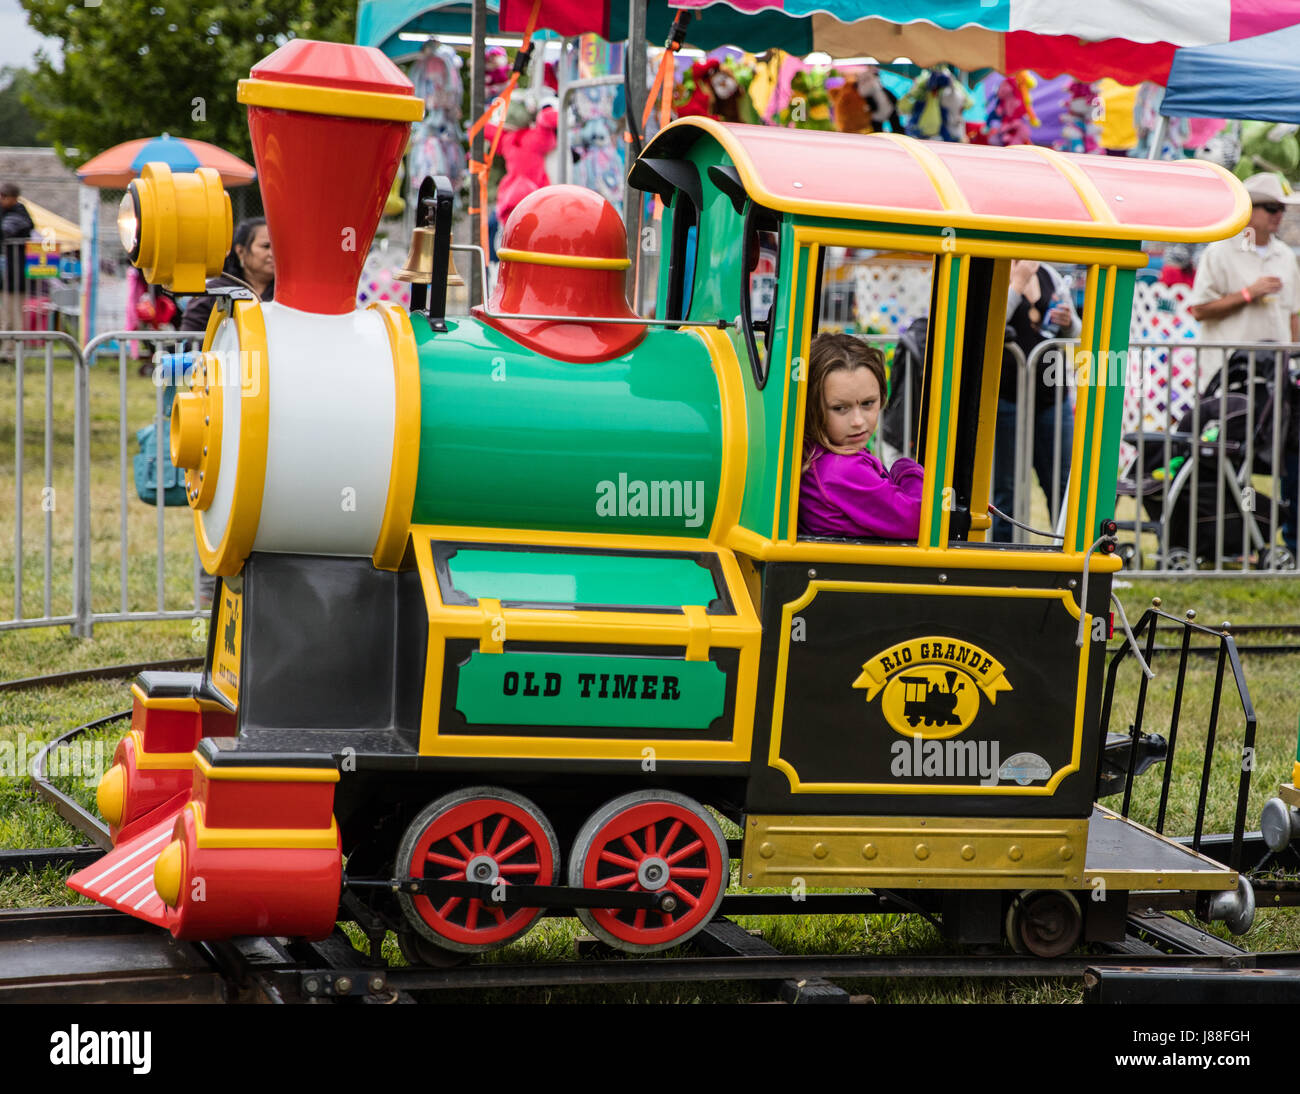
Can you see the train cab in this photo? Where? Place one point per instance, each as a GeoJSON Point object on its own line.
{"type": "Point", "coordinates": [928, 710]}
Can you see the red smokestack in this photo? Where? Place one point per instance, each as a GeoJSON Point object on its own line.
{"type": "Point", "coordinates": [329, 124]}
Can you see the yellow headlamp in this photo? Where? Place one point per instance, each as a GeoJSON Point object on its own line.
{"type": "Point", "coordinates": [176, 228]}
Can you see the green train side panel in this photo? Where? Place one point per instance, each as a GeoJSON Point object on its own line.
{"type": "Point", "coordinates": [1114, 377]}
{"type": "Point", "coordinates": [511, 439]}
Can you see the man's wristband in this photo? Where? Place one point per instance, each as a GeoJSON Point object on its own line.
{"type": "Point", "coordinates": [1245, 294]}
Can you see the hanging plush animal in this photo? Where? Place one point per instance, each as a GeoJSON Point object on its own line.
{"type": "Point", "coordinates": [530, 134]}
{"type": "Point", "coordinates": [1224, 148]}
{"type": "Point", "coordinates": [695, 98]}
{"type": "Point", "coordinates": [1011, 115]}
{"type": "Point", "coordinates": [1078, 119]}
{"type": "Point", "coordinates": [730, 97]}
{"type": "Point", "coordinates": [934, 106]}
{"type": "Point", "coordinates": [810, 104]}
{"type": "Point", "coordinates": [1266, 146]}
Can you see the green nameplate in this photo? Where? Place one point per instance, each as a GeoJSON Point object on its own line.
{"type": "Point", "coordinates": [557, 689]}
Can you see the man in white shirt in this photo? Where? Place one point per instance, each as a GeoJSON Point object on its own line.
{"type": "Point", "coordinates": [1247, 288]}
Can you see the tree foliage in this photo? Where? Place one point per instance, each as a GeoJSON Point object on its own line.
{"type": "Point", "coordinates": [18, 128]}
{"type": "Point", "coordinates": [138, 68]}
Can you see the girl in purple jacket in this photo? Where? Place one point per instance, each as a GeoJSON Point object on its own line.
{"type": "Point", "coordinates": [846, 490]}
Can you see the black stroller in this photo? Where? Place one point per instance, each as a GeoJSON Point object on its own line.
{"type": "Point", "coordinates": [1214, 449]}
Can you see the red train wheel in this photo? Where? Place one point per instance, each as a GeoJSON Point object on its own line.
{"type": "Point", "coordinates": [483, 834]}
{"type": "Point", "coordinates": [651, 840]}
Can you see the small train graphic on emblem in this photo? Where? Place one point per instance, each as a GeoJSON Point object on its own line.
{"type": "Point", "coordinates": [931, 687]}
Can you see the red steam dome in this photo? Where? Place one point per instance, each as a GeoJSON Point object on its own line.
{"type": "Point", "coordinates": [329, 123]}
{"type": "Point", "coordinates": [564, 252]}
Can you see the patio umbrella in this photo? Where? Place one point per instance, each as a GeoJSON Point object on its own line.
{"type": "Point", "coordinates": [116, 167]}
{"type": "Point", "coordinates": [56, 230]}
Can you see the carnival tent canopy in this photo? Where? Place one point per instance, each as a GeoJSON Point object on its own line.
{"type": "Point", "coordinates": [1253, 79]}
{"type": "Point", "coordinates": [1130, 40]}
{"type": "Point", "coordinates": [116, 167]}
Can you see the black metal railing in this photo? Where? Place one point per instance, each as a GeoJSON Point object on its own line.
{"type": "Point", "coordinates": [1146, 629]}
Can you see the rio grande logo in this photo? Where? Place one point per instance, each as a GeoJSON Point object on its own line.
{"type": "Point", "coordinates": [931, 687]}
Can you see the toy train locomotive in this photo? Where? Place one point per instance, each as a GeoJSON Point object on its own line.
{"type": "Point", "coordinates": [511, 603]}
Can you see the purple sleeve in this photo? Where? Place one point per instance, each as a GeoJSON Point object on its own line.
{"type": "Point", "coordinates": [876, 504]}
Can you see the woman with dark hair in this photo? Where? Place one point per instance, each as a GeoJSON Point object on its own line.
{"type": "Point", "coordinates": [250, 263]}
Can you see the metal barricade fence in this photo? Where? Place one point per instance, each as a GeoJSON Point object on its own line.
{"type": "Point", "coordinates": [1208, 478]}
{"type": "Point", "coordinates": [78, 585]}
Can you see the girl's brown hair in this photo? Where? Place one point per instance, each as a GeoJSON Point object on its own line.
{"type": "Point", "coordinates": [831, 353]}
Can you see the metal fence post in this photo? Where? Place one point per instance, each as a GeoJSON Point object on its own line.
{"type": "Point", "coordinates": [81, 606]}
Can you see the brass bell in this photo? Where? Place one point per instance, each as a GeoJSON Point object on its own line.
{"type": "Point", "coordinates": [419, 262]}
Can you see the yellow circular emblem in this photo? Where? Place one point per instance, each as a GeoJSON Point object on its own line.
{"type": "Point", "coordinates": [932, 701]}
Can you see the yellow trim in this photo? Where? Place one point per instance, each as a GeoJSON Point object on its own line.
{"type": "Point", "coordinates": [1097, 385]}
{"type": "Point", "coordinates": [265, 774]}
{"type": "Point", "coordinates": [925, 456]}
{"type": "Point", "coordinates": [573, 262]}
{"type": "Point", "coordinates": [741, 632]}
{"type": "Point", "coordinates": [954, 557]}
{"type": "Point", "coordinates": [337, 101]}
{"type": "Point", "coordinates": [1089, 322]}
{"type": "Point", "coordinates": [795, 443]}
{"type": "Point", "coordinates": [940, 177]}
{"type": "Point", "coordinates": [915, 852]}
{"type": "Point", "coordinates": [981, 489]}
{"type": "Point", "coordinates": [405, 469]}
{"type": "Point", "coordinates": [798, 786]}
{"type": "Point", "coordinates": [110, 794]}
{"type": "Point", "coordinates": [1087, 190]}
{"type": "Point", "coordinates": [961, 219]}
{"type": "Point", "coordinates": [173, 702]}
{"type": "Point", "coordinates": [782, 437]}
{"type": "Point", "coordinates": [252, 839]}
{"type": "Point", "coordinates": [735, 435]}
{"type": "Point", "coordinates": [492, 639]}
{"type": "Point", "coordinates": [957, 342]}
{"type": "Point", "coordinates": [978, 248]}
{"type": "Point", "coordinates": [225, 557]}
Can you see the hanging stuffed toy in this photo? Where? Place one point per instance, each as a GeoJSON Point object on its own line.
{"type": "Point", "coordinates": [529, 136]}
{"type": "Point", "coordinates": [730, 97]}
{"type": "Point", "coordinates": [935, 104]}
{"type": "Point", "coordinates": [436, 147]}
{"type": "Point", "coordinates": [1268, 146]}
{"type": "Point", "coordinates": [810, 104]}
{"type": "Point", "coordinates": [863, 104]}
{"type": "Point", "coordinates": [1078, 119]}
{"type": "Point", "coordinates": [1011, 116]}
{"type": "Point", "coordinates": [694, 97]}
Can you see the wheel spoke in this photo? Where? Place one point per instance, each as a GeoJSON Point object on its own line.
{"type": "Point", "coordinates": [445, 910]}
{"type": "Point", "coordinates": [478, 837]}
{"type": "Point", "coordinates": [520, 868]}
{"type": "Point", "coordinates": [500, 831]}
{"type": "Point", "coordinates": [691, 871]}
{"type": "Point", "coordinates": [682, 852]}
{"type": "Point", "coordinates": [617, 879]}
{"type": "Point", "coordinates": [691, 900]}
{"type": "Point", "coordinates": [650, 839]}
{"type": "Point", "coordinates": [459, 844]}
{"type": "Point", "coordinates": [618, 860]}
{"type": "Point", "coordinates": [471, 918]}
{"type": "Point", "coordinates": [668, 839]}
{"type": "Point", "coordinates": [519, 844]}
{"type": "Point", "coordinates": [445, 860]}
{"type": "Point", "coordinates": [639, 920]}
{"type": "Point", "coordinates": [630, 844]}
{"type": "Point", "coordinates": [459, 875]}
{"type": "Point", "coordinates": [498, 914]}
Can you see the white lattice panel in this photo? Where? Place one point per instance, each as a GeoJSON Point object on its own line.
{"type": "Point", "coordinates": [888, 297]}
